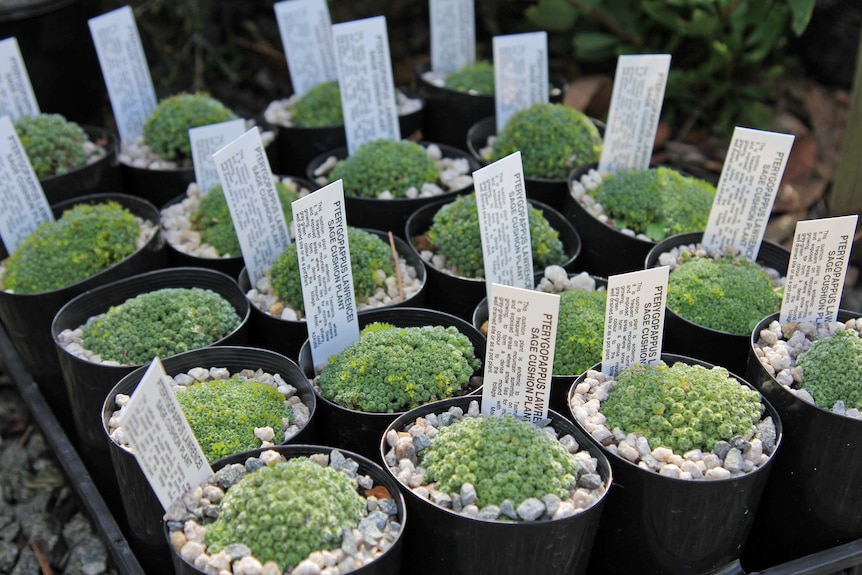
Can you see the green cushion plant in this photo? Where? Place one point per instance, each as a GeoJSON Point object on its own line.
{"type": "Point", "coordinates": [832, 370]}
{"type": "Point", "coordinates": [320, 106]}
{"type": "Point", "coordinates": [166, 131]}
{"type": "Point", "coordinates": [385, 165]}
{"type": "Point", "coordinates": [580, 331]}
{"type": "Point", "coordinates": [53, 144]}
{"type": "Point", "coordinates": [475, 78]}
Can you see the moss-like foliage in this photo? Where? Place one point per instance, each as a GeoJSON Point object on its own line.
{"type": "Point", "coordinates": [832, 370]}
{"type": "Point", "coordinates": [728, 294]}
{"type": "Point", "coordinates": [166, 131]}
{"type": "Point", "coordinates": [502, 457]}
{"type": "Point", "coordinates": [581, 331]}
{"type": "Point", "coordinates": [224, 412]}
{"type": "Point", "coordinates": [390, 369]}
{"type": "Point", "coordinates": [320, 106]}
{"type": "Point", "coordinates": [385, 165]}
{"type": "Point", "coordinates": [369, 256]}
{"type": "Point", "coordinates": [476, 78]}
{"type": "Point", "coordinates": [553, 140]}
{"type": "Point", "coordinates": [455, 232]}
{"type": "Point", "coordinates": [161, 323]}
{"type": "Point", "coordinates": [84, 241]}
{"type": "Point", "coordinates": [53, 144]}
{"type": "Point", "coordinates": [214, 222]}
{"type": "Point", "coordinates": [284, 511]}
{"type": "Point", "coordinates": [657, 202]}
{"type": "Point", "coordinates": [682, 407]}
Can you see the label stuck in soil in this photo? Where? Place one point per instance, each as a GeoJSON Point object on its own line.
{"type": "Point", "coordinates": [17, 98]}
{"type": "Point", "coordinates": [207, 140]}
{"type": "Point", "coordinates": [520, 73]}
{"type": "Point", "coordinates": [306, 34]}
{"type": "Point", "coordinates": [453, 34]}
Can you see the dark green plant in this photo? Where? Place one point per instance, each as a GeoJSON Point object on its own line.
{"type": "Point", "coordinates": [287, 510]}
{"type": "Point", "coordinates": [84, 241]}
{"type": "Point", "coordinates": [369, 255]}
{"type": "Point", "coordinates": [160, 323]}
{"type": "Point", "coordinates": [832, 370]}
{"type": "Point", "coordinates": [166, 131]}
{"type": "Point", "coordinates": [224, 412]}
{"type": "Point", "coordinates": [729, 294]}
{"type": "Point", "coordinates": [455, 232]}
{"type": "Point", "coordinates": [502, 457]}
{"type": "Point", "coordinates": [553, 140]}
{"type": "Point", "coordinates": [658, 202]}
{"type": "Point", "coordinates": [214, 222]}
{"type": "Point", "coordinates": [53, 144]}
{"type": "Point", "coordinates": [580, 332]}
{"type": "Point", "coordinates": [682, 407]}
{"type": "Point", "coordinates": [385, 165]}
{"type": "Point", "coordinates": [476, 78]}
{"type": "Point", "coordinates": [391, 369]}
{"type": "Point", "coordinates": [320, 106]}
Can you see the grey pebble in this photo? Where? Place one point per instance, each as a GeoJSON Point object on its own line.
{"type": "Point", "coordinates": [87, 558]}
{"type": "Point", "coordinates": [590, 481]}
{"type": "Point", "coordinates": [721, 448]}
{"type": "Point", "coordinates": [253, 464]}
{"type": "Point", "coordinates": [507, 508]}
{"type": "Point", "coordinates": [369, 529]}
{"type": "Point", "coordinates": [229, 475]}
{"type": "Point", "coordinates": [421, 442]}
{"type": "Point", "coordinates": [441, 499]}
{"type": "Point", "coordinates": [456, 502]}
{"type": "Point", "coordinates": [489, 512]}
{"type": "Point", "coordinates": [8, 556]}
{"type": "Point", "coordinates": [552, 503]}
{"type": "Point", "coordinates": [338, 462]}
{"type": "Point", "coordinates": [739, 442]}
{"type": "Point", "coordinates": [734, 461]}
{"type": "Point", "coordinates": [766, 433]}
{"type": "Point", "coordinates": [530, 509]}
{"type": "Point", "coordinates": [445, 419]}
{"type": "Point", "coordinates": [388, 506]}
{"type": "Point", "coordinates": [468, 494]}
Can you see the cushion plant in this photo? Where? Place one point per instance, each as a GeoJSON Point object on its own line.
{"type": "Point", "coordinates": [832, 370]}
{"type": "Point", "coordinates": [393, 166]}
{"type": "Point", "coordinates": [166, 131]}
{"type": "Point", "coordinates": [475, 78]}
{"type": "Point", "coordinates": [53, 144]}
{"type": "Point", "coordinates": [320, 106]}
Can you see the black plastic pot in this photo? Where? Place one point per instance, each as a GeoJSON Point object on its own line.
{"type": "Point", "coordinates": [389, 214]}
{"type": "Point", "coordinates": [102, 176]}
{"type": "Point", "coordinates": [142, 508]}
{"type": "Point", "coordinates": [812, 500]}
{"type": "Point", "coordinates": [460, 295]}
{"type": "Point", "coordinates": [443, 541]}
{"type": "Point", "coordinates": [361, 431]}
{"type": "Point", "coordinates": [653, 524]}
{"type": "Point", "coordinates": [286, 336]}
{"type": "Point", "coordinates": [388, 563]}
{"type": "Point", "coordinates": [28, 317]}
{"type": "Point", "coordinates": [684, 337]}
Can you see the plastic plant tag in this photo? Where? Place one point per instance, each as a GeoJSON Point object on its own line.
{"type": "Point", "coordinates": [306, 34]}
{"type": "Point", "coordinates": [746, 190]}
{"type": "Point", "coordinates": [453, 34]}
{"type": "Point", "coordinates": [206, 140]}
{"type": "Point", "coordinates": [519, 354]}
{"type": "Point", "coordinates": [636, 102]}
{"type": "Point", "coordinates": [366, 82]}
{"type": "Point", "coordinates": [520, 73]}
{"type": "Point", "coordinates": [634, 319]}
{"type": "Point", "coordinates": [252, 199]}
{"type": "Point", "coordinates": [24, 205]}
{"type": "Point", "coordinates": [818, 264]}
{"type": "Point", "coordinates": [125, 70]}
{"type": "Point", "coordinates": [504, 223]}
{"type": "Point", "coordinates": [17, 98]}
{"type": "Point", "coordinates": [324, 270]}
{"type": "Point", "coordinates": [160, 437]}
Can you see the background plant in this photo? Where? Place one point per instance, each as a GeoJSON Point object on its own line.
{"type": "Point", "coordinates": [477, 78]}
{"type": "Point", "coordinates": [381, 165]}
{"type": "Point", "coordinates": [53, 144]}
{"type": "Point", "coordinates": [320, 106]}
{"type": "Point", "coordinates": [832, 370]}
{"type": "Point", "coordinates": [580, 332]}
{"type": "Point", "coordinates": [166, 131]}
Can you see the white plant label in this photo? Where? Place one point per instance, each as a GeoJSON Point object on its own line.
{"type": "Point", "coordinates": [503, 223]}
{"type": "Point", "coordinates": [125, 70]}
{"type": "Point", "coordinates": [244, 172]}
{"type": "Point", "coordinates": [24, 205]}
{"type": "Point", "coordinates": [207, 140]}
{"type": "Point", "coordinates": [17, 98]}
{"type": "Point", "coordinates": [520, 73]}
{"type": "Point", "coordinates": [163, 443]}
{"type": "Point", "coordinates": [634, 319]}
{"type": "Point", "coordinates": [325, 272]}
{"type": "Point", "coordinates": [453, 34]}
{"type": "Point", "coordinates": [306, 34]}
{"type": "Point", "coordinates": [818, 264]}
{"type": "Point", "coordinates": [366, 82]}
{"type": "Point", "coordinates": [636, 101]}
{"type": "Point", "coordinates": [519, 355]}
{"type": "Point", "coordinates": [746, 190]}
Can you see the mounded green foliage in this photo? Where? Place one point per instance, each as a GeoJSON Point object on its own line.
{"type": "Point", "coordinates": [682, 407]}
{"type": "Point", "coordinates": [369, 255]}
{"type": "Point", "coordinates": [224, 412]}
{"type": "Point", "coordinates": [657, 202]}
{"type": "Point", "coordinates": [832, 370]}
{"type": "Point", "coordinates": [84, 241]}
{"type": "Point", "coordinates": [161, 323]}
{"type": "Point", "coordinates": [502, 457]}
{"type": "Point", "coordinates": [455, 232]}
{"type": "Point", "coordinates": [53, 144]}
{"type": "Point", "coordinates": [287, 510]}
{"type": "Point", "coordinates": [391, 369]}
{"type": "Point", "coordinates": [728, 294]}
{"type": "Point", "coordinates": [166, 131]}
{"type": "Point", "coordinates": [553, 140]}
{"type": "Point", "coordinates": [385, 165]}
{"type": "Point", "coordinates": [320, 106]}
{"type": "Point", "coordinates": [476, 78]}
{"type": "Point", "coordinates": [581, 331]}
